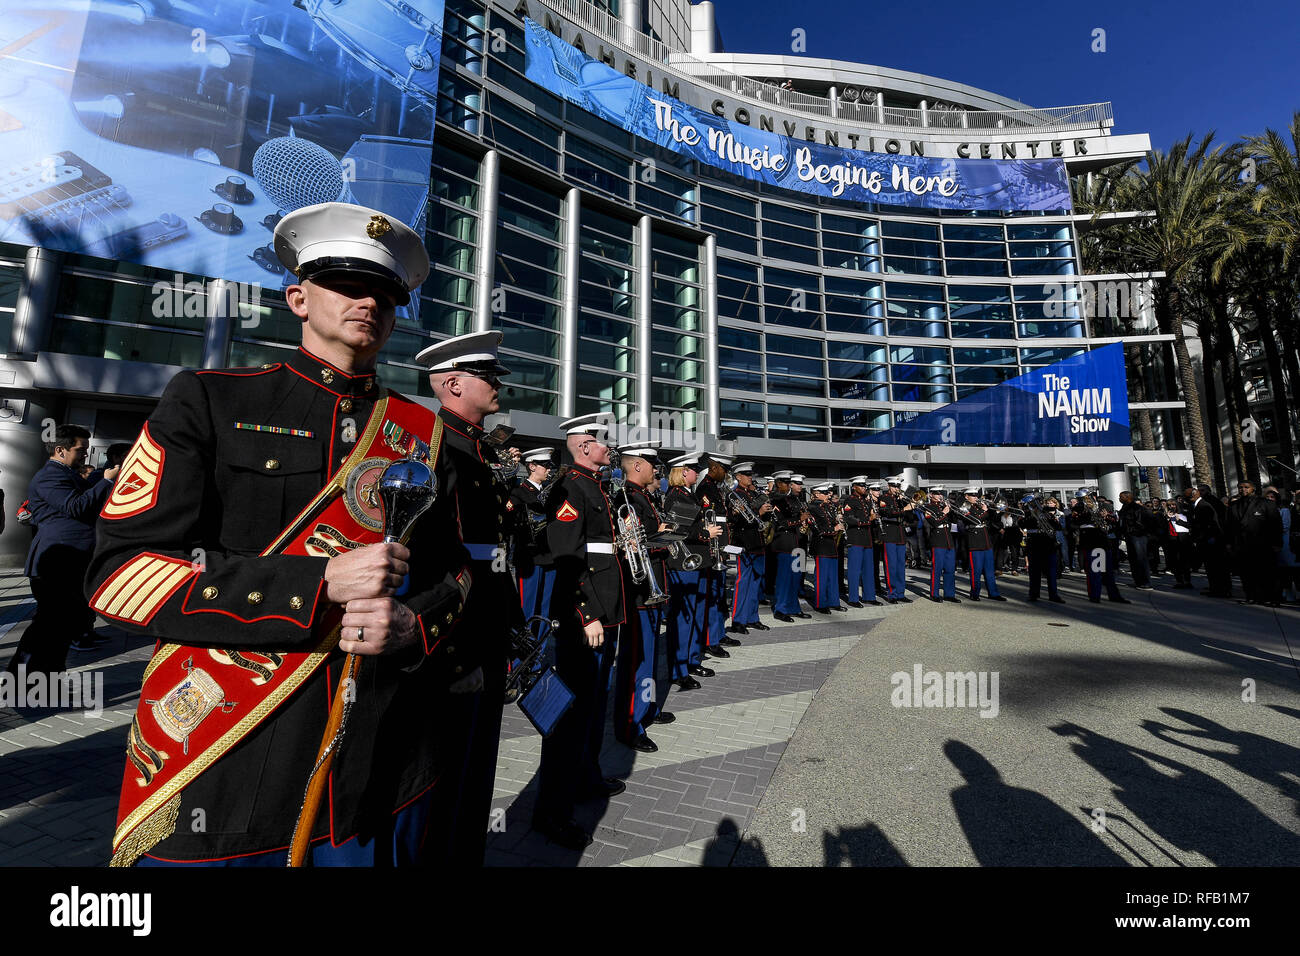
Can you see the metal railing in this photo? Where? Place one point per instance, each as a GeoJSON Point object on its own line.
{"type": "Point", "coordinates": [1048, 120]}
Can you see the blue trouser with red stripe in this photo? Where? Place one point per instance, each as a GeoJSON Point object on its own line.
{"type": "Point", "coordinates": [535, 591]}
{"type": "Point", "coordinates": [826, 577]}
{"type": "Point", "coordinates": [981, 566]}
{"type": "Point", "coordinates": [943, 572]}
{"type": "Point", "coordinates": [750, 568]}
{"type": "Point", "coordinates": [715, 611]}
{"type": "Point", "coordinates": [862, 574]}
{"type": "Point", "coordinates": [786, 600]}
{"type": "Point", "coordinates": [1105, 559]}
{"type": "Point", "coordinates": [895, 570]}
{"type": "Point", "coordinates": [685, 620]}
{"type": "Point", "coordinates": [640, 692]}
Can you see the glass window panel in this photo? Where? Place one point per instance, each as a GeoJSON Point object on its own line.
{"type": "Point", "coordinates": [1042, 267]}
{"type": "Point", "coordinates": [796, 386]}
{"type": "Point", "coordinates": [859, 227]}
{"type": "Point", "coordinates": [1067, 291]}
{"type": "Point", "coordinates": [794, 345]}
{"type": "Point", "coordinates": [448, 320]}
{"type": "Point", "coordinates": [789, 365]}
{"type": "Point", "coordinates": [746, 381]}
{"type": "Point", "coordinates": [919, 354]}
{"type": "Point", "coordinates": [1039, 230]}
{"type": "Point", "coordinates": [773, 212]}
{"type": "Point", "coordinates": [738, 359]}
{"type": "Point", "coordinates": [1049, 310]}
{"type": "Point", "coordinates": [922, 393]}
{"type": "Point", "coordinates": [529, 400]}
{"type": "Point", "coordinates": [793, 234]}
{"type": "Point", "coordinates": [975, 250]}
{"type": "Point", "coordinates": [666, 395]}
{"type": "Point", "coordinates": [911, 247]}
{"type": "Point", "coordinates": [978, 356]}
{"type": "Point", "coordinates": [979, 293]}
{"type": "Point", "coordinates": [864, 244]}
{"type": "Point", "coordinates": [1048, 356]}
{"type": "Point", "coordinates": [917, 267]}
{"type": "Point", "coordinates": [736, 243]}
{"type": "Point", "coordinates": [597, 176]}
{"type": "Point", "coordinates": [984, 374]}
{"type": "Point", "coordinates": [996, 312]}
{"type": "Point", "coordinates": [796, 414]}
{"type": "Point", "coordinates": [739, 338]}
{"type": "Point", "coordinates": [854, 324]}
{"type": "Point", "coordinates": [609, 330]}
{"type": "Point", "coordinates": [606, 355]}
{"type": "Point", "coordinates": [674, 343]}
{"type": "Point", "coordinates": [981, 330]}
{"type": "Point", "coordinates": [1072, 330]}
{"type": "Point", "coordinates": [789, 280]}
{"type": "Point", "coordinates": [983, 232]}
{"type": "Point", "coordinates": [513, 272]}
{"type": "Point", "coordinates": [1041, 250]}
{"type": "Point", "coordinates": [746, 411]}
{"type": "Point", "coordinates": [909, 230]}
{"type": "Point", "coordinates": [731, 309]}
{"type": "Point", "coordinates": [791, 319]}
{"type": "Point", "coordinates": [781, 250]}
{"type": "Point", "coordinates": [915, 310]}
{"type": "Point", "coordinates": [856, 351]}
{"type": "Point", "coordinates": [928, 329]}
{"type": "Point", "coordinates": [976, 267]}
{"type": "Point", "coordinates": [911, 290]}
{"type": "Point", "coordinates": [131, 343]}
{"type": "Point", "coordinates": [517, 213]}
{"type": "Point", "coordinates": [525, 338]}
{"type": "Point", "coordinates": [858, 390]}
{"type": "Point", "coordinates": [528, 371]}
{"type": "Point", "coordinates": [729, 201]}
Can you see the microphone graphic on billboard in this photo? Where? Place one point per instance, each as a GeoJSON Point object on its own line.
{"type": "Point", "coordinates": [294, 172]}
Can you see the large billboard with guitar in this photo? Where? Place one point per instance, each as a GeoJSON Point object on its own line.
{"type": "Point", "coordinates": [176, 134]}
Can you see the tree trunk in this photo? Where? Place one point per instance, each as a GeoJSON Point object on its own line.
{"type": "Point", "coordinates": [1205, 328]}
{"type": "Point", "coordinates": [1288, 319]}
{"type": "Point", "coordinates": [1247, 453]}
{"type": "Point", "coordinates": [1265, 321]}
{"type": "Point", "coordinates": [1169, 302]}
{"type": "Point", "coordinates": [1138, 390]}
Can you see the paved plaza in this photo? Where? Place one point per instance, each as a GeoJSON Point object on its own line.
{"type": "Point", "coordinates": [1162, 733]}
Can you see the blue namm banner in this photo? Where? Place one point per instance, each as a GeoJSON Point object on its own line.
{"type": "Point", "coordinates": [795, 164]}
{"type": "Point", "coordinates": [1082, 401]}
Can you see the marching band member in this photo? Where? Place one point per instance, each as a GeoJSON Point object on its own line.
{"type": "Point", "coordinates": [825, 533]}
{"type": "Point", "coordinates": [976, 518]}
{"type": "Point", "coordinates": [892, 506]}
{"type": "Point", "coordinates": [641, 689]}
{"type": "Point", "coordinates": [1043, 553]}
{"type": "Point", "coordinates": [789, 567]}
{"type": "Point", "coordinates": [1097, 551]}
{"type": "Point", "coordinates": [686, 609]}
{"type": "Point", "coordinates": [258, 602]}
{"type": "Point", "coordinates": [713, 574]}
{"type": "Point", "coordinates": [588, 601]}
{"type": "Point", "coordinates": [751, 563]}
{"type": "Point", "coordinates": [941, 524]}
{"type": "Point", "coordinates": [532, 556]}
{"type": "Point", "coordinates": [859, 522]}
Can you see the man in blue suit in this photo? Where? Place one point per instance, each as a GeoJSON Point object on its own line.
{"type": "Point", "coordinates": [64, 508]}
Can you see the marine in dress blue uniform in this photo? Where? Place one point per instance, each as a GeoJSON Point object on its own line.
{"type": "Point", "coordinates": [940, 522]}
{"type": "Point", "coordinates": [824, 540]}
{"type": "Point", "coordinates": [713, 574]}
{"type": "Point", "coordinates": [892, 506]}
{"type": "Point", "coordinates": [589, 603]}
{"type": "Point", "coordinates": [533, 562]}
{"type": "Point", "coordinates": [787, 510]}
{"type": "Point", "coordinates": [1043, 552]}
{"type": "Point", "coordinates": [687, 604]}
{"type": "Point", "coordinates": [641, 684]}
{"type": "Point", "coordinates": [976, 519]}
{"type": "Point", "coordinates": [751, 563]}
{"type": "Point", "coordinates": [860, 529]}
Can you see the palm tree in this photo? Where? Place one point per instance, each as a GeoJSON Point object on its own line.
{"type": "Point", "coordinates": [1192, 192]}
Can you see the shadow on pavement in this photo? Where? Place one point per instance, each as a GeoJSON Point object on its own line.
{"type": "Point", "coordinates": [1191, 810]}
{"type": "Point", "coordinates": [1012, 826]}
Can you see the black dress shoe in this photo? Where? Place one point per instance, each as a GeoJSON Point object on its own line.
{"type": "Point", "coordinates": [840, 607]}
{"type": "Point", "coordinates": [730, 641]}
{"type": "Point", "coordinates": [874, 603]}
{"type": "Point", "coordinates": [688, 683]}
{"type": "Point", "coordinates": [996, 597]}
{"type": "Point", "coordinates": [759, 626]}
{"type": "Point", "coordinates": [644, 745]}
{"type": "Point", "coordinates": [737, 629]}
{"type": "Point", "coordinates": [974, 597]}
{"type": "Point", "coordinates": [855, 604]}
{"type": "Point", "coordinates": [701, 671]}
{"type": "Point", "coordinates": [822, 610]}
{"type": "Point", "coordinates": [1120, 600]}
{"type": "Point", "coordinates": [609, 787]}
{"type": "Point", "coordinates": [890, 600]}
{"type": "Point", "coordinates": [1056, 599]}
{"type": "Point", "coordinates": [937, 600]}
{"type": "Point", "coordinates": [664, 717]}
{"type": "Point", "coordinates": [953, 600]}
{"type": "Point", "coordinates": [566, 833]}
{"type": "Point", "coordinates": [716, 651]}
{"type": "Point", "coordinates": [786, 618]}
{"type": "Point", "coordinates": [905, 600]}
{"type": "Point", "coordinates": [765, 603]}
{"type": "Point", "coordinates": [804, 615]}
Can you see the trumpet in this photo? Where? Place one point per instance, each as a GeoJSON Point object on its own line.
{"type": "Point", "coordinates": [632, 542]}
{"type": "Point", "coordinates": [715, 543]}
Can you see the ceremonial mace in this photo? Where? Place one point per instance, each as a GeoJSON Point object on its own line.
{"type": "Point", "coordinates": [406, 490]}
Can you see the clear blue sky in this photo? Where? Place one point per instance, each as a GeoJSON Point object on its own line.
{"type": "Point", "coordinates": [1169, 68]}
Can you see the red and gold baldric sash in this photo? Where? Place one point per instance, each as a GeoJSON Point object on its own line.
{"type": "Point", "coordinates": [197, 703]}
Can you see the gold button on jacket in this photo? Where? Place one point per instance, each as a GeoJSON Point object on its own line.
{"type": "Point", "coordinates": [272, 464]}
{"type": "Point", "coordinates": [295, 602]}
{"type": "Point", "coordinates": [254, 597]}
{"type": "Point", "coordinates": [210, 592]}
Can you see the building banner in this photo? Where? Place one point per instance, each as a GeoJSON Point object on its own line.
{"type": "Point", "coordinates": [785, 161]}
{"type": "Point", "coordinates": [1082, 401]}
{"type": "Point", "coordinates": [177, 134]}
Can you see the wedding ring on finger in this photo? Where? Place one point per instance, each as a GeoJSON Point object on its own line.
{"type": "Point", "coordinates": [361, 635]}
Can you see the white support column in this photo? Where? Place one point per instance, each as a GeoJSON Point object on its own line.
{"type": "Point", "coordinates": [489, 178]}
{"type": "Point", "coordinates": [569, 304]}
{"type": "Point", "coordinates": [712, 402]}
{"type": "Point", "coordinates": [34, 310]}
{"type": "Point", "coordinates": [644, 287]}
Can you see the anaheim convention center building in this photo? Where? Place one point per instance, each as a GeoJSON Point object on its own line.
{"type": "Point", "coordinates": [784, 325]}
